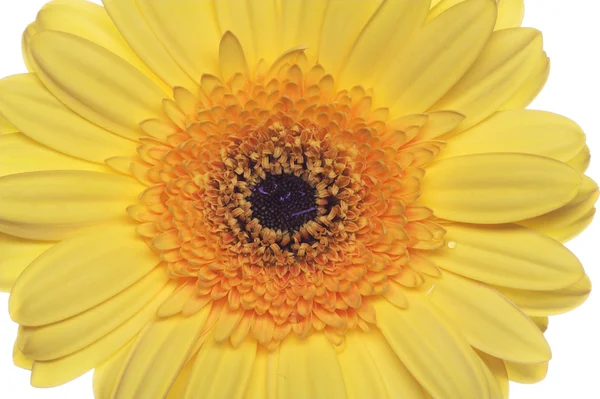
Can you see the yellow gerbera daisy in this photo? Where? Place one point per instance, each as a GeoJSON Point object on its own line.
{"type": "Point", "coordinates": [287, 199]}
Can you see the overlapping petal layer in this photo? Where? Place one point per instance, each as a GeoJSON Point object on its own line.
{"type": "Point", "coordinates": [403, 298]}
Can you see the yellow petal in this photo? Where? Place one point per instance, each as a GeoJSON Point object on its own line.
{"type": "Point", "coordinates": [19, 154]}
{"type": "Point", "coordinates": [309, 368]}
{"type": "Point", "coordinates": [234, 16]}
{"type": "Point", "coordinates": [581, 161]}
{"type": "Point", "coordinates": [15, 255]}
{"type": "Point", "coordinates": [520, 131]}
{"type": "Point", "coordinates": [262, 380]}
{"type": "Point", "coordinates": [380, 40]}
{"type": "Point", "coordinates": [510, 13]}
{"type": "Point", "coordinates": [439, 123]}
{"type": "Point", "coordinates": [107, 374]}
{"type": "Point", "coordinates": [80, 273]}
{"type": "Point", "coordinates": [177, 390]}
{"type": "Point", "coordinates": [343, 23]}
{"type": "Point", "coordinates": [425, 340]}
{"type": "Point", "coordinates": [20, 360]}
{"type": "Point", "coordinates": [489, 321]}
{"type": "Point", "coordinates": [436, 57]}
{"type": "Point", "coordinates": [301, 24]}
{"type": "Point", "coordinates": [60, 371]}
{"type": "Point", "coordinates": [159, 353]}
{"type": "Point", "coordinates": [65, 337]}
{"type": "Point", "coordinates": [5, 126]}
{"type": "Point", "coordinates": [497, 188]}
{"type": "Point", "coordinates": [548, 303]}
{"type": "Point", "coordinates": [533, 85]}
{"type": "Point", "coordinates": [565, 234]}
{"type": "Point", "coordinates": [509, 256]}
{"type": "Point", "coordinates": [541, 322]}
{"type": "Point", "coordinates": [51, 205]}
{"type": "Point", "coordinates": [498, 370]}
{"type": "Point", "coordinates": [265, 20]}
{"type": "Point", "coordinates": [177, 301]}
{"type": "Point", "coordinates": [29, 32]}
{"type": "Point", "coordinates": [526, 373]}
{"type": "Point", "coordinates": [90, 21]}
{"type": "Point", "coordinates": [216, 363]}
{"type": "Point", "coordinates": [231, 56]}
{"type": "Point", "coordinates": [392, 371]}
{"type": "Point", "coordinates": [188, 31]}
{"type": "Point", "coordinates": [569, 214]}
{"type": "Point", "coordinates": [53, 124]}
{"type": "Point", "coordinates": [505, 63]}
{"type": "Point", "coordinates": [133, 27]}
{"type": "Point", "coordinates": [360, 370]}
{"type": "Point", "coordinates": [96, 83]}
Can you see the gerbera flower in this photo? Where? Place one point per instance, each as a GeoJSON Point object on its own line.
{"type": "Point", "coordinates": [287, 199]}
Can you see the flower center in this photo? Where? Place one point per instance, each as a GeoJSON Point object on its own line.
{"type": "Point", "coordinates": [283, 202]}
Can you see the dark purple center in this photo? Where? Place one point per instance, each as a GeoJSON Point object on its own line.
{"type": "Point", "coordinates": [283, 202]}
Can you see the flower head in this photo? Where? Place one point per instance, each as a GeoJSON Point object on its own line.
{"type": "Point", "coordinates": [299, 199]}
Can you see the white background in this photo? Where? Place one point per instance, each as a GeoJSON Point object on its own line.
{"type": "Point", "coordinates": [571, 33]}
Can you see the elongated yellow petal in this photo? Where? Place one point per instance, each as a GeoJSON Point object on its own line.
{"type": "Point", "coordinates": [138, 34]}
{"type": "Point", "coordinates": [96, 83]}
{"type": "Point", "coordinates": [526, 373]}
{"type": "Point", "coordinates": [107, 374]}
{"type": "Point", "coordinates": [569, 214]}
{"type": "Point", "coordinates": [15, 255]}
{"type": "Point", "coordinates": [343, 23]}
{"type": "Point", "coordinates": [20, 360]}
{"type": "Point", "coordinates": [211, 373]}
{"type": "Point", "coordinates": [65, 337]}
{"type": "Point", "coordinates": [507, 60]}
{"type": "Point", "coordinates": [263, 374]}
{"type": "Point", "coordinates": [489, 321]}
{"type": "Point", "coordinates": [520, 131]}
{"type": "Point", "coordinates": [60, 371]}
{"type": "Point", "coordinates": [581, 161]}
{"type": "Point", "coordinates": [90, 21]}
{"type": "Point", "coordinates": [6, 127]}
{"type": "Point", "coordinates": [425, 340]}
{"type": "Point", "coordinates": [565, 234]}
{"type": "Point", "coordinates": [392, 371]}
{"type": "Point", "coordinates": [509, 256]}
{"type": "Point", "coordinates": [53, 124]}
{"type": "Point", "coordinates": [533, 85]}
{"type": "Point", "coordinates": [309, 368]}
{"type": "Point", "coordinates": [80, 273]}
{"type": "Point", "coordinates": [160, 352]}
{"type": "Point", "coordinates": [234, 16]}
{"type": "Point", "coordinates": [189, 32]}
{"type": "Point", "coordinates": [301, 23]}
{"type": "Point", "coordinates": [177, 390]}
{"type": "Point", "coordinates": [265, 19]}
{"type": "Point", "coordinates": [541, 322]}
{"type": "Point", "coordinates": [29, 32]}
{"type": "Point", "coordinates": [510, 13]}
{"type": "Point", "coordinates": [498, 370]}
{"type": "Point", "coordinates": [232, 59]}
{"type": "Point", "coordinates": [381, 39]}
{"type": "Point", "coordinates": [53, 204]}
{"type": "Point", "coordinates": [360, 370]}
{"type": "Point", "coordinates": [498, 188]}
{"type": "Point", "coordinates": [439, 123]}
{"type": "Point", "coordinates": [548, 303]}
{"type": "Point", "coordinates": [20, 154]}
{"type": "Point", "coordinates": [436, 57]}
